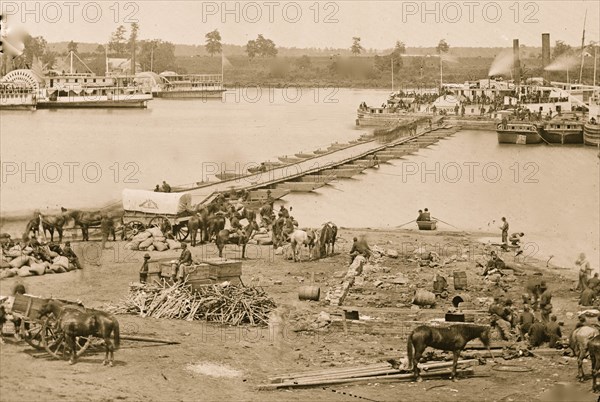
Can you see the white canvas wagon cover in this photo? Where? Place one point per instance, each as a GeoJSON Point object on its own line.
{"type": "Point", "coordinates": [155, 202]}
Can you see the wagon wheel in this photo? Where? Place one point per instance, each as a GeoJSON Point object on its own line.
{"type": "Point", "coordinates": [132, 228]}
{"type": "Point", "coordinates": [180, 232]}
{"type": "Point", "coordinates": [31, 331]}
{"type": "Point", "coordinates": [55, 343]}
{"type": "Point", "coordinates": [161, 222]}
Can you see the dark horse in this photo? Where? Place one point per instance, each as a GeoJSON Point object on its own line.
{"type": "Point", "coordinates": [77, 321]}
{"type": "Point", "coordinates": [581, 343]}
{"type": "Point", "coordinates": [326, 238]}
{"type": "Point", "coordinates": [87, 219]}
{"type": "Point", "coordinates": [452, 338]}
{"type": "Point", "coordinates": [225, 236]}
{"type": "Point", "coordinates": [49, 223]}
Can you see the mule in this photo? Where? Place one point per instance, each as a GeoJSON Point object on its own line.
{"type": "Point", "coordinates": [195, 223]}
{"type": "Point", "coordinates": [49, 223]}
{"type": "Point", "coordinates": [453, 338]}
{"type": "Point", "coordinates": [299, 238]}
{"type": "Point", "coordinates": [594, 349]}
{"type": "Point", "coordinates": [215, 224]}
{"type": "Point", "coordinates": [87, 219]}
{"type": "Point", "coordinates": [579, 342]}
{"type": "Point", "coordinates": [225, 236]}
{"type": "Point", "coordinates": [76, 321]}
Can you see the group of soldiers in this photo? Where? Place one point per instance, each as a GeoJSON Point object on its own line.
{"type": "Point", "coordinates": [525, 326]}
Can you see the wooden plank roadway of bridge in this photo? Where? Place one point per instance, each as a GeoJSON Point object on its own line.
{"type": "Point", "coordinates": [301, 168]}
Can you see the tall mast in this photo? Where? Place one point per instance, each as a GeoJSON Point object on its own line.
{"type": "Point", "coordinates": [392, 61]}
{"type": "Point", "coordinates": [582, 48]}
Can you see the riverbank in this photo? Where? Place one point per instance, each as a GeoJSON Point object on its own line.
{"type": "Point", "coordinates": [382, 297]}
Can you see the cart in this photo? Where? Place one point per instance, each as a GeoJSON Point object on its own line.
{"type": "Point", "coordinates": [169, 212]}
{"type": "Point", "coordinates": [43, 333]}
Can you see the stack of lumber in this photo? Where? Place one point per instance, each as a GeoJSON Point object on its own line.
{"type": "Point", "coordinates": [369, 373]}
{"type": "Point", "coordinates": [223, 303]}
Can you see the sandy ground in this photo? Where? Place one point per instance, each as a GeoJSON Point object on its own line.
{"type": "Point", "coordinates": [215, 362]}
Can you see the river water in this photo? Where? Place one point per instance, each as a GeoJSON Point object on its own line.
{"type": "Point", "coordinates": [85, 158]}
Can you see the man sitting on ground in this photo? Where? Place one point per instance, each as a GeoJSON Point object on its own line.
{"type": "Point", "coordinates": [553, 332]}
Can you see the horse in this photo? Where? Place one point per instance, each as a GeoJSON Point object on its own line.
{"type": "Point", "coordinates": [594, 349]}
{"type": "Point", "coordinates": [326, 237]}
{"type": "Point", "coordinates": [225, 236]}
{"type": "Point", "coordinates": [579, 341]}
{"type": "Point", "coordinates": [76, 321]}
{"type": "Point", "coordinates": [195, 223]}
{"type": "Point", "coordinates": [301, 237]}
{"type": "Point", "coordinates": [49, 223]}
{"type": "Point", "coordinates": [452, 338]}
{"type": "Point", "coordinates": [85, 219]}
{"type": "Point", "coordinates": [215, 224]}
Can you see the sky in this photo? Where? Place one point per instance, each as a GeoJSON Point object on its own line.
{"type": "Point", "coordinates": [314, 24]}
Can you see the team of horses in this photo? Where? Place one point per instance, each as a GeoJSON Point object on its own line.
{"type": "Point", "coordinates": [83, 219]}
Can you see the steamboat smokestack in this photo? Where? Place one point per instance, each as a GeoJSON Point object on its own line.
{"type": "Point", "coordinates": [516, 62]}
{"type": "Point", "coordinates": [545, 54]}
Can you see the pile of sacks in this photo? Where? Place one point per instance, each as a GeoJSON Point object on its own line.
{"type": "Point", "coordinates": [18, 261]}
{"type": "Point", "coordinates": [152, 239]}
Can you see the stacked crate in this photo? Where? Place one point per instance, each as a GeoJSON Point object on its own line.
{"type": "Point", "coordinates": [222, 269]}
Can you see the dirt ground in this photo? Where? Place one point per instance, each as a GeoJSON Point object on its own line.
{"type": "Point", "coordinates": [215, 362]}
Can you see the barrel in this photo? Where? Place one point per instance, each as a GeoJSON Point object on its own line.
{"type": "Point", "coordinates": [461, 299]}
{"type": "Point", "coordinates": [460, 280]}
{"type": "Point", "coordinates": [309, 293]}
{"type": "Point", "coordinates": [424, 298]}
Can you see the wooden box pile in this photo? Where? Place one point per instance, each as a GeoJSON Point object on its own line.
{"type": "Point", "coordinates": [198, 275]}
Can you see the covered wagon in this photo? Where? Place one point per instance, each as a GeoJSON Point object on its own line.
{"type": "Point", "coordinates": [167, 211]}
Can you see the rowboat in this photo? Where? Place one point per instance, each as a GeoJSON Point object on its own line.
{"type": "Point", "coordinates": [263, 194]}
{"type": "Point", "coordinates": [228, 175]}
{"type": "Point", "coordinates": [383, 157]}
{"type": "Point", "coordinates": [300, 186]}
{"type": "Point", "coordinates": [304, 156]}
{"type": "Point", "coordinates": [264, 166]}
{"type": "Point", "coordinates": [317, 178]}
{"type": "Point", "coordinates": [427, 225]}
{"type": "Point", "coordinates": [366, 163]}
{"type": "Point", "coordinates": [591, 134]}
{"type": "Point", "coordinates": [563, 131]}
{"type": "Point", "coordinates": [321, 151]}
{"type": "Point", "coordinates": [336, 146]}
{"type": "Point", "coordinates": [518, 132]}
{"type": "Point", "coordinates": [286, 159]}
{"type": "Point", "coordinates": [344, 173]}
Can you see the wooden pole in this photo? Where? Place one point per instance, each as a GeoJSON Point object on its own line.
{"type": "Point", "coordinates": [145, 339]}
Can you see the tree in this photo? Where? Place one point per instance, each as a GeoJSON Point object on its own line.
{"type": "Point", "coordinates": [252, 49]}
{"type": "Point", "coordinates": [356, 47]}
{"type": "Point", "coordinates": [72, 47]}
{"type": "Point", "coordinates": [399, 49]}
{"type": "Point", "coordinates": [261, 47]}
{"type": "Point", "coordinates": [442, 47]}
{"type": "Point", "coordinates": [34, 47]}
{"type": "Point", "coordinates": [213, 42]}
{"type": "Point", "coordinates": [100, 49]}
{"type": "Point", "coordinates": [561, 48]}
{"type": "Point", "coordinates": [266, 47]}
{"type": "Point", "coordinates": [117, 42]}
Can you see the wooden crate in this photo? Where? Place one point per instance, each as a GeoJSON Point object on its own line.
{"type": "Point", "coordinates": [167, 270]}
{"type": "Point", "coordinates": [28, 306]}
{"type": "Point", "coordinates": [198, 272]}
{"type": "Point", "coordinates": [222, 268]}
